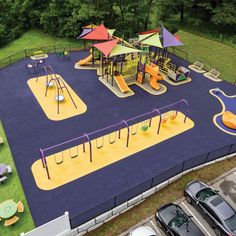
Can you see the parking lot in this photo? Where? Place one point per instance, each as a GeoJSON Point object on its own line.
{"type": "Point", "coordinates": [226, 185]}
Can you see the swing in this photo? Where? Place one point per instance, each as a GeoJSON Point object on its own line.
{"type": "Point", "coordinates": [101, 143]}
{"type": "Point", "coordinates": [173, 115]}
{"type": "Point", "coordinates": [73, 154]}
{"type": "Point", "coordinates": [111, 141]}
{"type": "Point", "coordinates": [164, 119]}
{"type": "Point", "coordinates": [58, 160]}
{"type": "Point", "coordinates": [134, 129]}
{"type": "Point", "coordinates": [144, 126]}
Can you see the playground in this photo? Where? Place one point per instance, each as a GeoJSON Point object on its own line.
{"type": "Point", "coordinates": [113, 127]}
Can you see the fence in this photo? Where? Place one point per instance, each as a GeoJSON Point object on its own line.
{"type": "Point", "coordinates": [60, 225]}
{"type": "Point", "coordinates": [27, 52]}
{"type": "Point", "coordinates": [150, 183]}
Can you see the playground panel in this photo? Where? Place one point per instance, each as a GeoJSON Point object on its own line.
{"type": "Point", "coordinates": [74, 163]}
{"type": "Point", "coordinates": [49, 103]}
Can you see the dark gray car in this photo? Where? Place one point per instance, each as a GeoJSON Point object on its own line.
{"type": "Point", "coordinates": [213, 207]}
{"type": "Point", "coordinates": [175, 222]}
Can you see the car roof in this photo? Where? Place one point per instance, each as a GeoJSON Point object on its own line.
{"type": "Point", "coordinates": [143, 231]}
{"type": "Point", "coordinates": [220, 207]}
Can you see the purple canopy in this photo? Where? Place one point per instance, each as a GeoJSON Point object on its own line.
{"type": "Point", "coordinates": [169, 40]}
{"type": "Point", "coordinates": [84, 32]}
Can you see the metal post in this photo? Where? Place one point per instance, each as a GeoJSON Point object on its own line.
{"type": "Point", "coordinates": [128, 131]}
{"type": "Point", "coordinates": [90, 147]}
{"type": "Point", "coordinates": [45, 163]}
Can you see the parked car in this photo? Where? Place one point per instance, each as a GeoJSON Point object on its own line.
{"type": "Point", "coordinates": [143, 231]}
{"type": "Point", "coordinates": [175, 222]}
{"type": "Point", "coordinates": [213, 207]}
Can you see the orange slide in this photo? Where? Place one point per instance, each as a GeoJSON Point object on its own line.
{"type": "Point", "coordinates": [124, 88]}
{"type": "Point", "coordinates": [153, 70]}
{"type": "Point", "coordinates": [86, 60]}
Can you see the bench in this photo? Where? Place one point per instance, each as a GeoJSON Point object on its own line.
{"type": "Point", "coordinates": [11, 221]}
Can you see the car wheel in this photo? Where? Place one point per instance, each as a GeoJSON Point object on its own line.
{"type": "Point", "coordinates": [217, 232]}
{"type": "Point", "coordinates": [188, 199]}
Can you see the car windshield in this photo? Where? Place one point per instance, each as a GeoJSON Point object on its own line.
{"type": "Point", "coordinates": [231, 222]}
{"type": "Point", "coordinates": [204, 194]}
{"type": "Point", "coordinates": [177, 221]}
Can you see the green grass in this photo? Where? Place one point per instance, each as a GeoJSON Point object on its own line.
{"type": "Point", "coordinates": [12, 189]}
{"type": "Point", "coordinates": [35, 39]}
{"type": "Point", "coordinates": [170, 193]}
{"type": "Point", "coordinates": [212, 53]}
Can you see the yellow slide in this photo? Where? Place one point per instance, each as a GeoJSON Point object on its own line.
{"type": "Point", "coordinates": [124, 88]}
{"type": "Point", "coordinates": [86, 60]}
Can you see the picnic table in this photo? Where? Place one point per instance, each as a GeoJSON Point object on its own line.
{"type": "Point", "coordinates": [8, 209]}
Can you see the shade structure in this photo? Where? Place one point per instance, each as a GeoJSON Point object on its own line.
{"type": "Point", "coordinates": [169, 40]}
{"type": "Point", "coordinates": [84, 32]}
{"type": "Point", "coordinates": [152, 39]}
{"type": "Point", "coordinates": [91, 26]}
{"type": "Point", "coordinates": [111, 31]}
{"type": "Point", "coordinates": [99, 33]}
{"type": "Point", "coordinates": [119, 50]}
{"type": "Point", "coordinates": [106, 47]}
{"type": "Point", "coordinates": [150, 31]}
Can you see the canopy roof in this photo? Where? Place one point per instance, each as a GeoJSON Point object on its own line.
{"type": "Point", "coordinates": [91, 26]}
{"type": "Point", "coordinates": [106, 47]}
{"type": "Point", "coordinates": [111, 31]}
{"type": "Point", "coordinates": [150, 31]}
{"type": "Point", "coordinates": [99, 33]}
{"type": "Point", "coordinates": [169, 40]}
{"type": "Point", "coordinates": [151, 39]}
{"type": "Point", "coordinates": [119, 50]}
{"type": "Point", "coordinates": [84, 32]}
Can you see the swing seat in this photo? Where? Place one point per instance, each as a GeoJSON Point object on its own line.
{"type": "Point", "coordinates": [144, 128]}
{"type": "Point", "coordinates": [164, 120]}
{"type": "Point", "coordinates": [173, 116]}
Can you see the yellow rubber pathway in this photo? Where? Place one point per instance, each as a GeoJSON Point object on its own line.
{"type": "Point", "coordinates": [73, 168]}
{"type": "Point", "coordinates": [49, 103]}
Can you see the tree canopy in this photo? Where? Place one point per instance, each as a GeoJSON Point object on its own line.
{"type": "Point", "coordinates": [66, 18]}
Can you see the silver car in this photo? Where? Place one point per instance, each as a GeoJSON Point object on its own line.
{"type": "Point", "coordinates": [143, 231]}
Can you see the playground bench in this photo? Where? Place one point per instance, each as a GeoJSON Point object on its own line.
{"type": "Point", "coordinates": [11, 221]}
{"type": "Point", "coordinates": [197, 66]}
{"type": "Point", "coordinates": [20, 207]}
{"type": "Point", "coordinates": [214, 73]}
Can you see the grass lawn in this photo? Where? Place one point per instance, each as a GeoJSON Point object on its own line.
{"type": "Point", "coordinates": [215, 54]}
{"type": "Point", "coordinates": [169, 194]}
{"type": "Point", "coordinates": [12, 189]}
{"type": "Point", "coordinates": [35, 39]}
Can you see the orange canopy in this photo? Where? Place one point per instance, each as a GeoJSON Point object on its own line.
{"type": "Point", "coordinates": [99, 33]}
{"type": "Point", "coordinates": [106, 47]}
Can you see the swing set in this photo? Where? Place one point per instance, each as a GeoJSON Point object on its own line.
{"type": "Point", "coordinates": [133, 125]}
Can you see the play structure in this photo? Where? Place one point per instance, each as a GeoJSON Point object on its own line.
{"type": "Point", "coordinates": [63, 55]}
{"type": "Point", "coordinates": [54, 94]}
{"type": "Point", "coordinates": [53, 79]}
{"type": "Point", "coordinates": [180, 75]}
{"type": "Point", "coordinates": [74, 158]}
{"type": "Point", "coordinates": [35, 66]}
{"type": "Point", "coordinates": [153, 71]}
{"type": "Point", "coordinates": [226, 119]}
{"type": "Point", "coordinates": [39, 55]}
{"type": "Point", "coordinates": [120, 64]}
